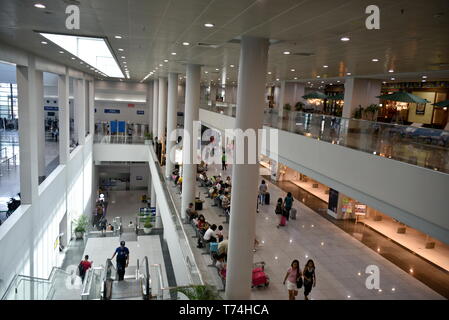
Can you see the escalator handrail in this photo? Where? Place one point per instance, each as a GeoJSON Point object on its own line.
{"type": "Point", "coordinates": [147, 277]}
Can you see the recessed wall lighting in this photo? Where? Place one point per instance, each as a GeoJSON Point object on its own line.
{"type": "Point", "coordinates": [118, 37]}
{"type": "Point", "coordinates": [286, 52]}
{"type": "Point", "coordinates": [185, 44]}
{"type": "Point", "coordinates": [173, 53]}
{"type": "Point", "coordinates": [345, 39]}
{"type": "Point", "coordinates": [209, 25]}
{"type": "Point", "coordinates": [40, 5]}
{"type": "Point", "coordinates": [374, 60]}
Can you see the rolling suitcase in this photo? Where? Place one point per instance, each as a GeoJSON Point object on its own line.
{"type": "Point", "coordinates": [293, 213]}
{"type": "Point", "coordinates": [283, 221]}
{"type": "Point", "coordinates": [267, 198]}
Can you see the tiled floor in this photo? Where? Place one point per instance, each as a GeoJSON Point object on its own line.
{"type": "Point", "coordinates": [339, 257]}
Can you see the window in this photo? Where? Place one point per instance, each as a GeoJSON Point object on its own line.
{"type": "Point", "coordinates": [8, 100]}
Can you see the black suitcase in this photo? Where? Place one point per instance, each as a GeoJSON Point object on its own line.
{"type": "Point", "coordinates": [267, 198]}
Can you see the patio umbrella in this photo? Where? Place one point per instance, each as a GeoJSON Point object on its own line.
{"type": "Point", "coordinates": [402, 96]}
{"type": "Point", "coordinates": [339, 96]}
{"type": "Point", "coordinates": [315, 95]}
{"type": "Point", "coordinates": [442, 104]}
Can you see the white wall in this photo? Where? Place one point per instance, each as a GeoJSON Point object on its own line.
{"type": "Point", "coordinates": [141, 171]}
{"type": "Point", "coordinates": [29, 235]}
{"type": "Point", "coordinates": [120, 152]}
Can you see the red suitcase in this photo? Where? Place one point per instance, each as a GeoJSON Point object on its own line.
{"type": "Point", "coordinates": [259, 278]}
{"type": "Point", "coordinates": [283, 221]}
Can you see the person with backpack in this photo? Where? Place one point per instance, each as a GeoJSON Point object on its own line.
{"type": "Point", "coordinates": [122, 253]}
{"type": "Point", "coordinates": [263, 189]}
{"type": "Point", "coordinates": [84, 266]}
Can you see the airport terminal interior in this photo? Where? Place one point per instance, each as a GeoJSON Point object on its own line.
{"type": "Point", "coordinates": [238, 150]}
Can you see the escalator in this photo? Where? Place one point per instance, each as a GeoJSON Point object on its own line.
{"type": "Point", "coordinates": [135, 286]}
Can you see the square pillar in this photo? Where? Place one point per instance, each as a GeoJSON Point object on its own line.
{"type": "Point", "coordinates": [64, 117]}
{"type": "Point", "coordinates": [360, 92]}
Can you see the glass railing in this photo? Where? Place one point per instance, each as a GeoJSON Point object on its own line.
{"type": "Point", "coordinates": [93, 282]}
{"type": "Point", "coordinates": [424, 147]}
{"type": "Point", "coordinates": [188, 257]}
{"type": "Point", "coordinates": [119, 139]}
{"type": "Point", "coordinates": [31, 288]}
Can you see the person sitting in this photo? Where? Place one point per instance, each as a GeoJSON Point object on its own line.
{"type": "Point", "coordinates": [209, 235]}
{"type": "Point", "coordinates": [226, 202]}
{"type": "Point", "coordinates": [191, 212]}
{"type": "Point", "coordinates": [217, 198]}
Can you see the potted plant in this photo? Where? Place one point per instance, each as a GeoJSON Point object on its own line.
{"type": "Point", "coordinates": [200, 292]}
{"type": "Point", "coordinates": [358, 113]}
{"type": "Point", "coordinates": [373, 109]}
{"type": "Point", "coordinates": [287, 107]}
{"type": "Point", "coordinates": [148, 137]}
{"type": "Point", "coordinates": [81, 225]}
{"type": "Point", "coordinates": [299, 106]}
{"type": "Point", "coordinates": [147, 227]}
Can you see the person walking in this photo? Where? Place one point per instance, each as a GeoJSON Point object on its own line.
{"type": "Point", "coordinates": [309, 278]}
{"type": "Point", "coordinates": [84, 266]}
{"type": "Point", "coordinates": [122, 253]}
{"type": "Point", "coordinates": [263, 189]}
{"type": "Point", "coordinates": [224, 165]}
{"type": "Point", "coordinates": [288, 203]}
{"type": "Point", "coordinates": [293, 275]}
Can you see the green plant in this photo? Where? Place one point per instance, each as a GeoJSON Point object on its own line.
{"type": "Point", "coordinates": [372, 108]}
{"type": "Point", "coordinates": [200, 292]}
{"type": "Point", "coordinates": [149, 136]}
{"type": "Point", "coordinates": [148, 223]}
{"type": "Point", "coordinates": [287, 107]}
{"type": "Point", "coordinates": [358, 112]}
{"type": "Point", "coordinates": [299, 106]}
{"type": "Point", "coordinates": [81, 223]}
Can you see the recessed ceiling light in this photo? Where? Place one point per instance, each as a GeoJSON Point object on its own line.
{"type": "Point", "coordinates": [165, 60]}
{"type": "Point", "coordinates": [292, 70]}
{"type": "Point", "coordinates": [269, 72]}
{"type": "Point", "coordinates": [318, 77]}
{"type": "Point", "coordinates": [296, 78]}
{"type": "Point", "coordinates": [322, 81]}
{"type": "Point", "coordinates": [73, 58]}
{"type": "Point", "coordinates": [277, 79]}
{"type": "Point", "coordinates": [173, 53]}
{"type": "Point", "coordinates": [209, 25]}
{"type": "Point", "coordinates": [374, 60]}
{"type": "Point", "coordinates": [206, 71]}
{"type": "Point", "coordinates": [391, 70]}
{"type": "Point", "coordinates": [161, 65]}
{"type": "Point", "coordinates": [424, 77]}
{"type": "Point", "coordinates": [384, 82]}
{"type": "Point", "coordinates": [348, 73]}
{"type": "Point", "coordinates": [325, 66]}
{"type": "Point", "coordinates": [61, 51]}
{"type": "Point", "coordinates": [44, 42]}
{"type": "Point", "coordinates": [286, 52]}
{"type": "Point", "coordinates": [118, 37]}
{"type": "Point", "coordinates": [81, 62]}
{"type": "Point", "coordinates": [185, 44]}
{"type": "Point", "coordinates": [345, 39]}
{"type": "Point", "coordinates": [338, 81]}
{"type": "Point", "coordinates": [40, 5]}
{"type": "Point", "coordinates": [393, 79]}
{"type": "Point", "coordinates": [123, 57]}
{"type": "Point", "coordinates": [423, 80]}
{"type": "Point", "coordinates": [232, 66]}
{"type": "Point", "coordinates": [120, 49]}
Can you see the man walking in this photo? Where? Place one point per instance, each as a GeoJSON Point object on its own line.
{"type": "Point", "coordinates": [122, 253]}
{"type": "Point", "coordinates": [84, 266]}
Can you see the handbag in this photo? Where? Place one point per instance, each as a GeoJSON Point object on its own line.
{"type": "Point", "coordinates": [299, 282]}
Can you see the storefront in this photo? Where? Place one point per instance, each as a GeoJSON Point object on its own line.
{"type": "Point", "coordinates": [426, 114]}
{"type": "Point", "coordinates": [343, 207]}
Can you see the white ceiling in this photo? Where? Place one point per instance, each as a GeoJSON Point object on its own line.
{"type": "Point", "coordinates": [409, 42]}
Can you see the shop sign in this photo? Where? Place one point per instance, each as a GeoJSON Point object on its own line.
{"type": "Point", "coordinates": [140, 112]}
{"type": "Point", "coordinates": [111, 111]}
{"type": "Point", "coordinates": [360, 209]}
{"type": "Point", "coordinates": [131, 105]}
{"type": "Point", "coordinates": [48, 108]}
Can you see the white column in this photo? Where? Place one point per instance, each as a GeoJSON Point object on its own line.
{"type": "Point", "coordinates": [162, 112]}
{"type": "Point", "coordinates": [80, 100]}
{"type": "Point", "coordinates": [153, 194]}
{"type": "Point", "coordinates": [245, 177]}
{"type": "Point", "coordinates": [28, 130]}
{"type": "Point", "coordinates": [155, 106]}
{"type": "Point", "coordinates": [64, 117]}
{"type": "Point", "coordinates": [149, 113]}
{"type": "Point", "coordinates": [40, 123]}
{"type": "Point", "coordinates": [361, 92]}
{"type": "Point", "coordinates": [213, 94]}
{"type": "Point", "coordinates": [171, 119]}
{"type": "Point", "coordinates": [191, 114]}
{"type": "Point", "coordinates": [91, 107]}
